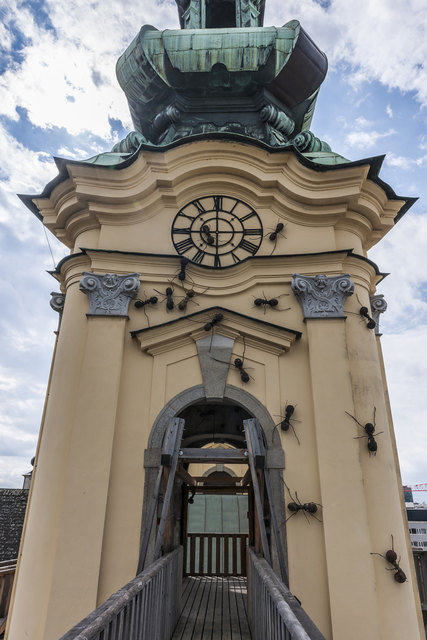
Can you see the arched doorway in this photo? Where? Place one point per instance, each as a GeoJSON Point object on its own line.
{"type": "Point", "coordinates": [213, 434]}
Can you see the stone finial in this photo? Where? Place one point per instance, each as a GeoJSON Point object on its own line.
{"type": "Point", "coordinates": [322, 296]}
{"type": "Point", "coordinates": [378, 305]}
{"type": "Point", "coordinates": [109, 294]}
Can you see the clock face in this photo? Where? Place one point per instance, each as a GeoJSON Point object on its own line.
{"type": "Point", "coordinates": [217, 231]}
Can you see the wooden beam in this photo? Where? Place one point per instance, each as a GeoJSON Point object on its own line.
{"type": "Point", "coordinates": [250, 428]}
{"type": "Point", "coordinates": [168, 440]}
{"type": "Point", "coordinates": [178, 430]}
{"type": "Point", "coordinates": [256, 435]}
{"type": "Point", "coordinates": [185, 476]}
{"type": "Point", "coordinates": [246, 478]}
{"type": "Point", "coordinates": [168, 445]}
{"type": "Point", "coordinates": [232, 456]}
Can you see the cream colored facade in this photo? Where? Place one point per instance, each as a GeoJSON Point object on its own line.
{"type": "Point", "coordinates": [108, 387]}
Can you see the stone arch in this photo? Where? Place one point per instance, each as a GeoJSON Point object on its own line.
{"type": "Point", "coordinates": [195, 394]}
{"type": "Point", "coordinates": [217, 468]}
{"type": "Point", "coordinates": [275, 461]}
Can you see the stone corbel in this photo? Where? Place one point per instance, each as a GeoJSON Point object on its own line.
{"type": "Point", "coordinates": [378, 305]}
{"type": "Point", "coordinates": [322, 296]}
{"type": "Point", "coordinates": [109, 294]}
{"type": "Point", "coordinates": [57, 303]}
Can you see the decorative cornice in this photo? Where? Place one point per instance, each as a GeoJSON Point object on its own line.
{"type": "Point", "coordinates": [176, 333]}
{"type": "Point", "coordinates": [144, 183]}
{"type": "Point", "coordinates": [109, 294]}
{"type": "Point", "coordinates": [322, 296]}
{"type": "Point", "coordinates": [378, 305]}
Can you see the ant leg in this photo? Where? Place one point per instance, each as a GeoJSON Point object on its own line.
{"type": "Point", "coordinates": [356, 420]}
{"type": "Point", "coordinates": [315, 517]}
{"type": "Point", "coordinates": [295, 433]}
{"type": "Point", "coordinates": [145, 314]}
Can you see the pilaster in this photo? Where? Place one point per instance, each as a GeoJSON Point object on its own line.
{"type": "Point", "coordinates": [382, 481]}
{"type": "Point", "coordinates": [341, 482]}
{"type": "Point", "coordinates": [353, 604]}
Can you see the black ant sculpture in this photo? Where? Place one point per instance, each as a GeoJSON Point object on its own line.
{"type": "Point", "coordinates": [210, 239]}
{"type": "Point", "coordinates": [213, 321]}
{"type": "Point", "coordinates": [238, 363]}
{"type": "Point", "coordinates": [307, 507]}
{"type": "Point", "coordinates": [191, 497]}
{"type": "Point", "coordinates": [189, 295]}
{"type": "Point", "coordinates": [182, 274]}
{"type": "Point", "coordinates": [272, 302]}
{"type": "Point", "coordinates": [273, 235]}
{"type": "Point", "coordinates": [168, 296]}
{"type": "Point", "coordinates": [369, 429]}
{"type": "Point", "coordinates": [141, 304]}
{"type": "Point", "coordinates": [244, 375]}
{"type": "Point", "coordinates": [364, 312]}
{"type": "Point", "coordinates": [391, 557]}
{"type": "Point", "coordinates": [286, 423]}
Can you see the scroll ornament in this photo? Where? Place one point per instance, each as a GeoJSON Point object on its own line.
{"type": "Point", "coordinates": [322, 296]}
{"type": "Point", "coordinates": [378, 305]}
{"type": "Point", "coordinates": [109, 294]}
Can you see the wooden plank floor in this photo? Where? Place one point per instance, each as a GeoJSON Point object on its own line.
{"type": "Point", "coordinates": [213, 608]}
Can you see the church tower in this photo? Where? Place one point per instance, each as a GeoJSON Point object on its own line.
{"type": "Point", "coordinates": [219, 320]}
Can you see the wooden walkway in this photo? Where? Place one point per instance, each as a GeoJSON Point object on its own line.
{"type": "Point", "coordinates": [213, 608]}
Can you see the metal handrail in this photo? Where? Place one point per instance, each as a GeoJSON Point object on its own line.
{"type": "Point", "coordinates": [273, 611]}
{"type": "Point", "coordinates": [147, 607]}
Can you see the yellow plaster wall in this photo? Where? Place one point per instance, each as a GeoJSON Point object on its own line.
{"type": "Point", "coordinates": [83, 526]}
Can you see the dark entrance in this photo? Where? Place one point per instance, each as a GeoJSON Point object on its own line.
{"type": "Point", "coordinates": [217, 529]}
{"type": "Point", "coordinates": [219, 436]}
{"type": "Point", "coordinates": [216, 523]}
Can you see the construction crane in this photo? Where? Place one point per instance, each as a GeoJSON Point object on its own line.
{"type": "Point", "coordinates": [418, 487]}
{"type": "Point", "coordinates": [409, 489]}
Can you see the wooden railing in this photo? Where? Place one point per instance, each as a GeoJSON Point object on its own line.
{"type": "Point", "coordinates": [216, 554]}
{"type": "Point", "coordinates": [147, 607]}
{"type": "Point", "coordinates": [273, 612]}
{"type": "Point", "coordinates": [7, 575]}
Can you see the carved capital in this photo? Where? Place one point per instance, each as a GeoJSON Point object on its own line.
{"type": "Point", "coordinates": [109, 294]}
{"type": "Point", "coordinates": [57, 301]}
{"type": "Point", "coordinates": [322, 296]}
{"type": "Point", "coordinates": [378, 305]}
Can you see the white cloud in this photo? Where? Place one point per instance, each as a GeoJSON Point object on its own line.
{"type": "Point", "coordinates": [373, 38]}
{"type": "Point", "coordinates": [404, 162]}
{"type": "Point", "coordinates": [366, 139]}
{"type": "Point", "coordinates": [363, 123]}
{"type": "Point", "coordinates": [389, 111]}
{"type": "Point", "coordinates": [405, 357]}
{"type": "Point", "coordinates": [76, 63]}
{"type": "Point", "coordinates": [402, 253]}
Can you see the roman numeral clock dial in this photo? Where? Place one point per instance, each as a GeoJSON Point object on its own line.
{"type": "Point", "coordinates": [217, 231]}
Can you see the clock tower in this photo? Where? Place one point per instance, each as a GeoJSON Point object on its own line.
{"type": "Point", "coordinates": [218, 285]}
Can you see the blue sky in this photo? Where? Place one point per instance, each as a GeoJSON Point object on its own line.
{"type": "Point", "coordinates": [59, 97]}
